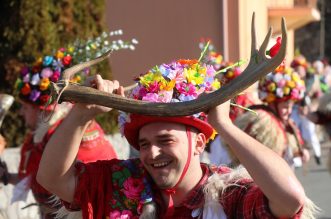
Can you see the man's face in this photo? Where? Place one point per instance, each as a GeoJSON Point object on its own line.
{"type": "Point", "coordinates": [30, 114]}
{"type": "Point", "coordinates": [285, 109]}
{"type": "Point", "coordinates": [164, 151]}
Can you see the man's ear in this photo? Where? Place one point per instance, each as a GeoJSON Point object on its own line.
{"type": "Point", "coordinates": [200, 143]}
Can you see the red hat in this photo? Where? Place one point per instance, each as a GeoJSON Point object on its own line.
{"type": "Point", "coordinates": [94, 146]}
{"type": "Point", "coordinates": [131, 130]}
{"type": "Point", "coordinates": [179, 81]}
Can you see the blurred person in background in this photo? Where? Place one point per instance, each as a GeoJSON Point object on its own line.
{"type": "Point", "coordinates": [33, 87]}
{"type": "Point", "coordinates": [225, 72]}
{"type": "Point", "coordinates": [300, 110]}
{"type": "Point", "coordinates": [272, 125]}
{"type": "Point", "coordinates": [322, 116]}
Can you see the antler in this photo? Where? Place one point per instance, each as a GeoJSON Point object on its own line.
{"type": "Point", "coordinates": [259, 65]}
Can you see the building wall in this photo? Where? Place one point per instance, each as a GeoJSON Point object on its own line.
{"type": "Point", "coordinates": [166, 31]}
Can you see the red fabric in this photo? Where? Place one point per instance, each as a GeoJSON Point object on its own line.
{"type": "Point", "coordinates": [96, 188]}
{"type": "Point", "coordinates": [95, 146]}
{"type": "Point", "coordinates": [31, 155]}
{"type": "Point", "coordinates": [100, 189]}
{"type": "Point", "coordinates": [243, 100]}
{"type": "Point", "coordinates": [131, 129]}
{"type": "Point", "coordinates": [246, 201]}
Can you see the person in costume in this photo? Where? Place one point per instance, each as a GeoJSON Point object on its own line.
{"type": "Point", "coordinates": [301, 108]}
{"type": "Point", "coordinates": [226, 71]}
{"type": "Point", "coordinates": [273, 125]}
{"type": "Point", "coordinates": [322, 116]}
{"type": "Point", "coordinates": [169, 164]}
{"type": "Point", "coordinates": [34, 96]}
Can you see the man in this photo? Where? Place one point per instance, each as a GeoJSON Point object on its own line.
{"type": "Point", "coordinates": [169, 152]}
{"type": "Point", "coordinates": [34, 92]}
{"type": "Point", "coordinates": [273, 126]}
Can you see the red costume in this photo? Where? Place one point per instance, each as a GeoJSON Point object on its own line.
{"type": "Point", "coordinates": [93, 147]}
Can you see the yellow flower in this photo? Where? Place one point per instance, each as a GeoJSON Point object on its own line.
{"type": "Point", "coordinates": [271, 87]}
{"type": "Point", "coordinates": [44, 83]}
{"type": "Point", "coordinates": [59, 54]}
{"type": "Point", "coordinates": [194, 77]}
{"type": "Point", "coordinates": [288, 71]}
{"type": "Point", "coordinates": [295, 77]}
{"type": "Point", "coordinates": [165, 85]}
{"type": "Point", "coordinates": [38, 62]}
{"type": "Point", "coordinates": [71, 49]}
{"type": "Point", "coordinates": [216, 85]}
{"type": "Point", "coordinates": [290, 84]}
{"type": "Point", "coordinates": [286, 90]}
{"type": "Point", "coordinates": [77, 79]}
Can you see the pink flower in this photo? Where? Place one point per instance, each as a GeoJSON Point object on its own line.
{"type": "Point", "coordinates": [295, 94]}
{"type": "Point", "coordinates": [154, 87]}
{"type": "Point", "coordinates": [126, 214]}
{"type": "Point", "coordinates": [186, 89]}
{"type": "Point", "coordinates": [46, 73]}
{"type": "Point", "coordinates": [165, 96]}
{"type": "Point", "coordinates": [151, 97]}
{"type": "Point", "coordinates": [132, 188]}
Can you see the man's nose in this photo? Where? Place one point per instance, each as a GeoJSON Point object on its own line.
{"type": "Point", "coordinates": [155, 151]}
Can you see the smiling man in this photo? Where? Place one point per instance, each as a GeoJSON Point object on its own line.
{"type": "Point", "coordinates": [169, 173]}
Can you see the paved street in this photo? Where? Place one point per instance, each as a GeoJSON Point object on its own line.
{"type": "Point", "coordinates": [317, 182]}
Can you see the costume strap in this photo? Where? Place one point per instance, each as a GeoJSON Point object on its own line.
{"type": "Point", "coordinates": [170, 192]}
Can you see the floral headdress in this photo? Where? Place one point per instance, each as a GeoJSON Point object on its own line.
{"type": "Point", "coordinates": [179, 81]}
{"type": "Point", "coordinates": [299, 60]}
{"type": "Point", "coordinates": [281, 85]}
{"type": "Point", "coordinates": [229, 70]}
{"type": "Point", "coordinates": [211, 56]}
{"type": "Point", "coordinates": [35, 80]}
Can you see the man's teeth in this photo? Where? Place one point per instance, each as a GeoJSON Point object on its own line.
{"type": "Point", "coordinates": [162, 164]}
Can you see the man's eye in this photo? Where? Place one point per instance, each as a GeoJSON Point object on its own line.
{"type": "Point", "coordinates": [167, 142]}
{"type": "Point", "coordinates": [143, 146]}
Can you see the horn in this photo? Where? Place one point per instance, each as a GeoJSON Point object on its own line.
{"type": "Point", "coordinates": [5, 103]}
{"type": "Point", "coordinates": [259, 65]}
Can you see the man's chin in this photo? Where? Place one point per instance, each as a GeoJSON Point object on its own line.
{"type": "Point", "coordinates": [163, 183]}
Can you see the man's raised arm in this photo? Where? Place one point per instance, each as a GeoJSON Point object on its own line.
{"type": "Point", "coordinates": [56, 170]}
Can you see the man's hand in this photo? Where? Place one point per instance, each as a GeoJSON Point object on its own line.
{"type": "Point", "coordinates": [91, 110]}
{"type": "Point", "coordinates": [220, 115]}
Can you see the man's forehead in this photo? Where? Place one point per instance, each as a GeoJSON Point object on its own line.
{"type": "Point", "coordinates": [161, 128]}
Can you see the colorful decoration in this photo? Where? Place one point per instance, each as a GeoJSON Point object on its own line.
{"type": "Point", "coordinates": [281, 85]}
{"type": "Point", "coordinates": [179, 81]}
{"type": "Point", "coordinates": [35, 80]}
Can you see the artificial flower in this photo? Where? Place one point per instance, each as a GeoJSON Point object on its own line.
{"type": "Point", "coordinates": [48, 60]}
{"type": "Point", "coordinates": [24, 71]}
{"type": "Point", "coordinates": [67, 60]}
{"type": "Point", "coordinates": [34, 95]}
{"type": "Point", "coordinates": [44, 83]}
{"type": "Point", "coordinates": [35, 79]}
{"type": "Point", "coordinates": [26, 89]}
{"type": "Point", "coordinates": [275, 48]}
{"type": "Point", "coordinates": [44, 99]}
{"type": "Point", "coordinates": [46, 73]}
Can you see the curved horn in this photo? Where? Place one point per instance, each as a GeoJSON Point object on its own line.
{"type": "Point", "coordinates": [259, 65]}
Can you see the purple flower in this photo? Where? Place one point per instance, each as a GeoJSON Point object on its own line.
{"type": "Point", "coordinates": [24, 71]}
{"type": "Point", "coordinates": [34, 95]}
{"type": "Point", "coordinates": [57, 65]}
{"type": "Point", "coordinates": [26, 78]}
{"type": "Point", "coordinates": [35, 79]}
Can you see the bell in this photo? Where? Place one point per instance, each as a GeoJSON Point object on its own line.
{"type": "Point", "coordinates": [6, 101]}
